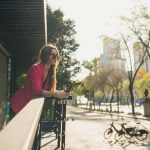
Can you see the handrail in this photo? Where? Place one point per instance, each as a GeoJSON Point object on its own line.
{"type": "Point", "coordinates": [19, 133]}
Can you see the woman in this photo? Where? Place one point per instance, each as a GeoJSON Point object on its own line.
{"type": "Point", "coordinates": [41, 80]}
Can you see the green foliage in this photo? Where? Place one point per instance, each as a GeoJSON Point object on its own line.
{"type": "Point", "coordinates": [142, 84]}
{"type": "Point", "coordinates": [98, 95]}
{"type": "Point", "coordinates": [88, 83]}
{"type": "Point", "coordinates": [79, 90]}
{"type": "Point", "coordinates": [88, 65]}
{"type": "Point", "coordinates": [20, 81]}
{"type": "Point", "coordinates": [62, 33]}
{"type": "Point", "coordinates": [48, 110]}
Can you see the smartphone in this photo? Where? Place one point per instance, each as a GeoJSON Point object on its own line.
{"type": "Point", "coordinates": [68, 89]}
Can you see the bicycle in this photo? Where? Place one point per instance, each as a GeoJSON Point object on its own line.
{"type": "Point", "coordinates": [129, 132]}
{"type": "Point", "coordinates": [108, 132]}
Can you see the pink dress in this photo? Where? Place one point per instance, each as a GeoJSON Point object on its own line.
{"type": "Point", "coordinates": [32, 87]}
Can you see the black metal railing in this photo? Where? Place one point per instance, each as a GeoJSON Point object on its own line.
{"type": "Point", "coordinates": [21, 131]}
{"type": "Point", "coordinates": [32, 121]}
{"type": "Point", "coordinates": [53, 119]}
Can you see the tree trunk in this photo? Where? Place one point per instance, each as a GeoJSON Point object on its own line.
{"type": "Point", "coordinates": [112, 97]}
{"type": "Point", "coordinates": [101, 100]}
{"type": "Point", "coordinates": [128, 100]}
{"type": "Point", "coordinates": [89, 98]}
{"type": "Point", "coordinates": [118, 101]}
{"type": "Point", "coordinates": [132, 97]}
{"type": "Point", "coordinates": [100, 103]}
{"type": "Point", "coordinates": [94, 99]}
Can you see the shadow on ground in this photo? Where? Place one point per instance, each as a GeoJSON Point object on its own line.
{"type": "Point", "coordinates": [125, 143]}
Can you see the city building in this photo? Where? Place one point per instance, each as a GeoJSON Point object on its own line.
{"type": "Point", "coordinates": [112, 53]}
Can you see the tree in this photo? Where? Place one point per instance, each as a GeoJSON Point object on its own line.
{"type": "Point", "coordinates": [114, 77]}
{"type": "Point", "coordinates": [79, 91]}
{"type": "Point", "coordinates": [88, 65]}
{"type": "Point", "coordinates": [117, 76]}
{"type": "Point", "coordinates": [125, 90]}
{"type": "Point", "coordinates": [88, 84]}
{"type": "Point", "coordinates": [100, 83]}
{"type": "Point", "coordinates": [90, 80]}
{"type": "Point", "coordinates": [62, 33]}
{"type": "Point", "coordinates": [138, 25]}
{"type": "Point", "coordinates": [133, 72]}
{"type": "Point", "coordinates": [142, 84]}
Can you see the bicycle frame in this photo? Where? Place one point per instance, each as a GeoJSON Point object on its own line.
{"type": "Point", "coordinates": [120, 132]}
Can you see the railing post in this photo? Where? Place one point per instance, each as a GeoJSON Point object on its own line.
{"type": "Point", "coordinates": [63, 124]}
{"type": "Point", "coordinates": [59, 111]}
{"type": "Point", "coordinates": [58, 122]}
{"type": "Point", "coordinates": [37, 141]}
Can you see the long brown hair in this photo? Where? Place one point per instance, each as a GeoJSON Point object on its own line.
{"type": "Point", "coordinates": [44, 56]}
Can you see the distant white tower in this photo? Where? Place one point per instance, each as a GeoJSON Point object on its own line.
{"type": "Point", "coordinates": [111, 47]}
{"type": "Point", "coordinates": [112, 53]}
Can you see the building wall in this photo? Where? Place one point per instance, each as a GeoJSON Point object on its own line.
{"type": "Point", "coordinates": [111, 47]}
{"type": "Point", "coordinates": [112, 53]}
{"type": "Point", "coordinates": [3, 86]}
{"type": "Point", "coordinates": [146, 64]}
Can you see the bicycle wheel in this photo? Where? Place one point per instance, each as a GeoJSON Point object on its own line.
{"type": "Point", "coordinates": [129, 133]}
{"type": "Point", "coordinates": [118, 136]}
{"type": "Point", "coordinates": [128, 136]}
{"type": "Point", "coordinates": [141, 135]}
{"type": "Point", "coordinates": [108, 132]}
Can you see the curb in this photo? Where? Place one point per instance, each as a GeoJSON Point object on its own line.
{"type": "Point", "coordinates": [120, 115]}
{"type": "Point", "coordinates": [127, 116]}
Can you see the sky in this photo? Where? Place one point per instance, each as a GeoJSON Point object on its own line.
{"type": "Point", "coordinates": [93, 19]}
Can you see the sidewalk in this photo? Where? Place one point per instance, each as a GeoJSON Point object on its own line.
{"type": "Point", "coordinates": [87, 130]}
{"type": "Point", "coordinates": [120, 114]}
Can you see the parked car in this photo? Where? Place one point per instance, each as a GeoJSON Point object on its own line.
{"type": "Point", "coordinates": [141, 101]}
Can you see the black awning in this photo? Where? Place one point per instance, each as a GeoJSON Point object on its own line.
{"type": "Point", "coordinates": [22, 30]}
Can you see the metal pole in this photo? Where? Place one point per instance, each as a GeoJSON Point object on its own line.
{"type": "Point", "coordinates": [63, 125]}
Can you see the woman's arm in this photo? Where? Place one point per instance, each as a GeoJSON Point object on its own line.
{"type": "Point", "coordinates": [36, 85]}
{"type": "Point", "coordinates": [47, 93]}
{"type": "Point", "coordinates": [58, 94]}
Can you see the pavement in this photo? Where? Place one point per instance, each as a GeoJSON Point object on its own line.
{"type": "Point", "coordinates": [87, 130]}
{"type": "Point", "coordinates": [92, 114]}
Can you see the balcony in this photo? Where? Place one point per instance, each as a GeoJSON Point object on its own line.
{"type": "Point", "coordinates": [28, 130]}
{"type": "Point", "coordinates": [23, 31]}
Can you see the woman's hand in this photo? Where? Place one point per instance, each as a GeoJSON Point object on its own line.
{"type": "Point", "coordinates": [61, 94]}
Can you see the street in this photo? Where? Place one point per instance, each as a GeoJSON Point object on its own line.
{"type": "Point", "coordinates": [86, 132]}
